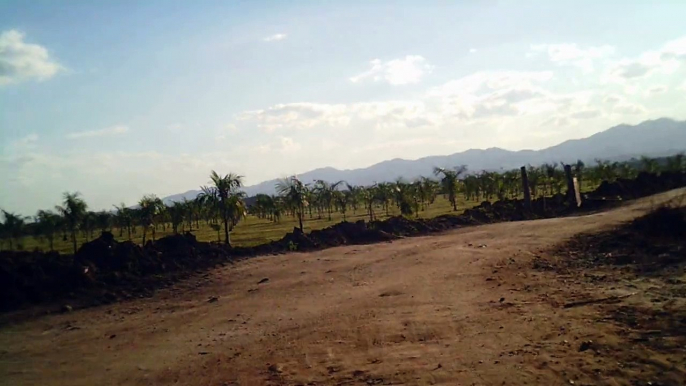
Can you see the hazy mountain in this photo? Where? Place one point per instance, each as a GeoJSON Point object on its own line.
{"type": "Point", "coordinates": [658, 137]}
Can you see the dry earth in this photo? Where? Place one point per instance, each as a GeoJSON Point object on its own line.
{"type": "Point", "coordinates": [462, 308]}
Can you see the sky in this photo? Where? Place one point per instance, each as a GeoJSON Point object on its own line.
{"type": "Point", "coordinates": [117, 99]}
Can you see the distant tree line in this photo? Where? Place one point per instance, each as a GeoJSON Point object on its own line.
{"type": "Point", "coordinates": [222, 205]}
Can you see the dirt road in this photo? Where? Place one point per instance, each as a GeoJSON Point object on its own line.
{"type": "Point", "coordinates": [461, 308]}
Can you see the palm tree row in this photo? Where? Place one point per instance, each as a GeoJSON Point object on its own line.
{"type": "Point", "coordinates": [221, 205]}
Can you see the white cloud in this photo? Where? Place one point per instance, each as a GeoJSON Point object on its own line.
{"type": "Point", "coordinates": [612, 99]}
{"type": "Point", "coordinates": [472, 50]}
{"type": "Point", "coordinates": [226, 131]}
{"type": "Point", "coordinates": [488, 81]}
{"type": "Point", "coordinates": [665, 60]}
{"type": "Point", "coordinates": [675, 49]}
{"type": "Point", "coordinates": [22, 144]}
{"type": "Point", "coordinates": [289, 146]}
{"type": "Point", "coordinates": [21, 61]}
{"type": "Point", "coordinates": [572, 55]}
{"type": "Point", "coordinates": [477, 107]}
{"type": "Point", "coordinates": [295, 116]}
{"type": "Point", "coordinates": [275, 37]}
{"type": "Point", "coordinates": [586, 114]}
{"type": "Point", "coordinates": [408, 70]}
{"type": "Point", "coordinates": [175, 127]}
{"type": "Point", "coordinates": [108, 131]}
{"type": "Point", "coordinates": [28, 140]}
{"type": "Point", "coordinates": [320, 116]}
{"type": "Point", "coordinates": [628, 109]}
{"type": "Point", "coordinates": [556, 121]}
{"type": "Point", "coordinates": [655, 90]}
{"type": "Point", "coordinates": [492, 93]}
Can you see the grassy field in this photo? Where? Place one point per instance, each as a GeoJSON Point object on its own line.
{"type": "Point", "coordinates": [254, 231]}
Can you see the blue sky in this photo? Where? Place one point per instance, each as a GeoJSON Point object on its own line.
{"type": "Point", "coordinates": [124, 98]}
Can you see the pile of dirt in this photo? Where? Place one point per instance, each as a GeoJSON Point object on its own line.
{"type": "Point", "coordinates": [645, 184]}
{"type": "Point", "coordinates": [654, 243]}
{"type": "Point", "coordinates": [33, 277]}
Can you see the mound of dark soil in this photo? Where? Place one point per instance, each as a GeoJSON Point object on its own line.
{"type": "Point", "coordinates": [653, 243]}
{"type": "Point", "coordinates": [645, 184]}
{"type": "Point", "coordinates": [32, 277]}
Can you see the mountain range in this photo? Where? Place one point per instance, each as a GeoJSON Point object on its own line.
{"type": "Point", "coordinates": [659, 137]}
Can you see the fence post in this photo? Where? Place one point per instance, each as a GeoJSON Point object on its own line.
{"type": "Point", "coordinates": [525, 188]}
{"type": "Point", "coordinates": [572, 193]}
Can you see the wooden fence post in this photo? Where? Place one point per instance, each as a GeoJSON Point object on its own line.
{"type": "Point", "coordinates": [525, 188]}
{"type": "Point", "coordinates": [572, 193]}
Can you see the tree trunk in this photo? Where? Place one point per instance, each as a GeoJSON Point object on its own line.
{"type": "Point", "coordinates": [51, 239]}
{"type": "Point", "coordinates": [226, 231]}
{"type": "Point", "coordinates": [73, 240]}
{"type": "Point", "coordinates": [145, 231]}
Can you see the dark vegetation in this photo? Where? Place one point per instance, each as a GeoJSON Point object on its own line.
{"type": "Point", "coordinates": [104, 270]}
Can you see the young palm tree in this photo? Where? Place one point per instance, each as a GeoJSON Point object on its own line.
{"type": "Point", "coordinates": [341, 199]}
{"type": "Point", "coordinates": [450, 182]}
{"type": "Point", "coordinates": [48, 224]}
{"type": "Point", "coordinates": [535, 176]}
{"type": "Point", "coordinates": [353, 196]}
{"type": "Point", "coordinates": [12, 227]}
{"type": "Point", "coordinates": [677, 163]}
{"type": "Point", "coordinates": [369, 197]}
{"type": "Point", "coordinates": [149, 208]}
{"type": "Point", "coordinates": [177, 212]}
{"type": "Point", "coordinates": [325, 193]}
{"type": "Point", "coordinates": [384, 194]}
{"type": "Point", "coordinates": [103, 220]}
{"type": "Point", "coordinates": [405, 197]}
{"type": "Point", "coordinates": [73, 210]}
{"type": "Point", "coordinates": [650, 165]}
{"type": "Point", "coordinates": [550, 172]}
{"type": "Point", "coordinates": [88, 224]}
{"type": "Point", "coordinates": [471, 188]}
{"type": "Point", "coordinates": [124, 219]}
{"type": "Point", "coordinates": [293, 193]}
{"type": "Point", "coordinates": [230, 201]}
{"type": "Point", "coordinates": [427, 190]}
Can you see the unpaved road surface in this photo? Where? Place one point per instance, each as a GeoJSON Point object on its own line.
{"type": "Point", "coordinates": [461, 308]}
